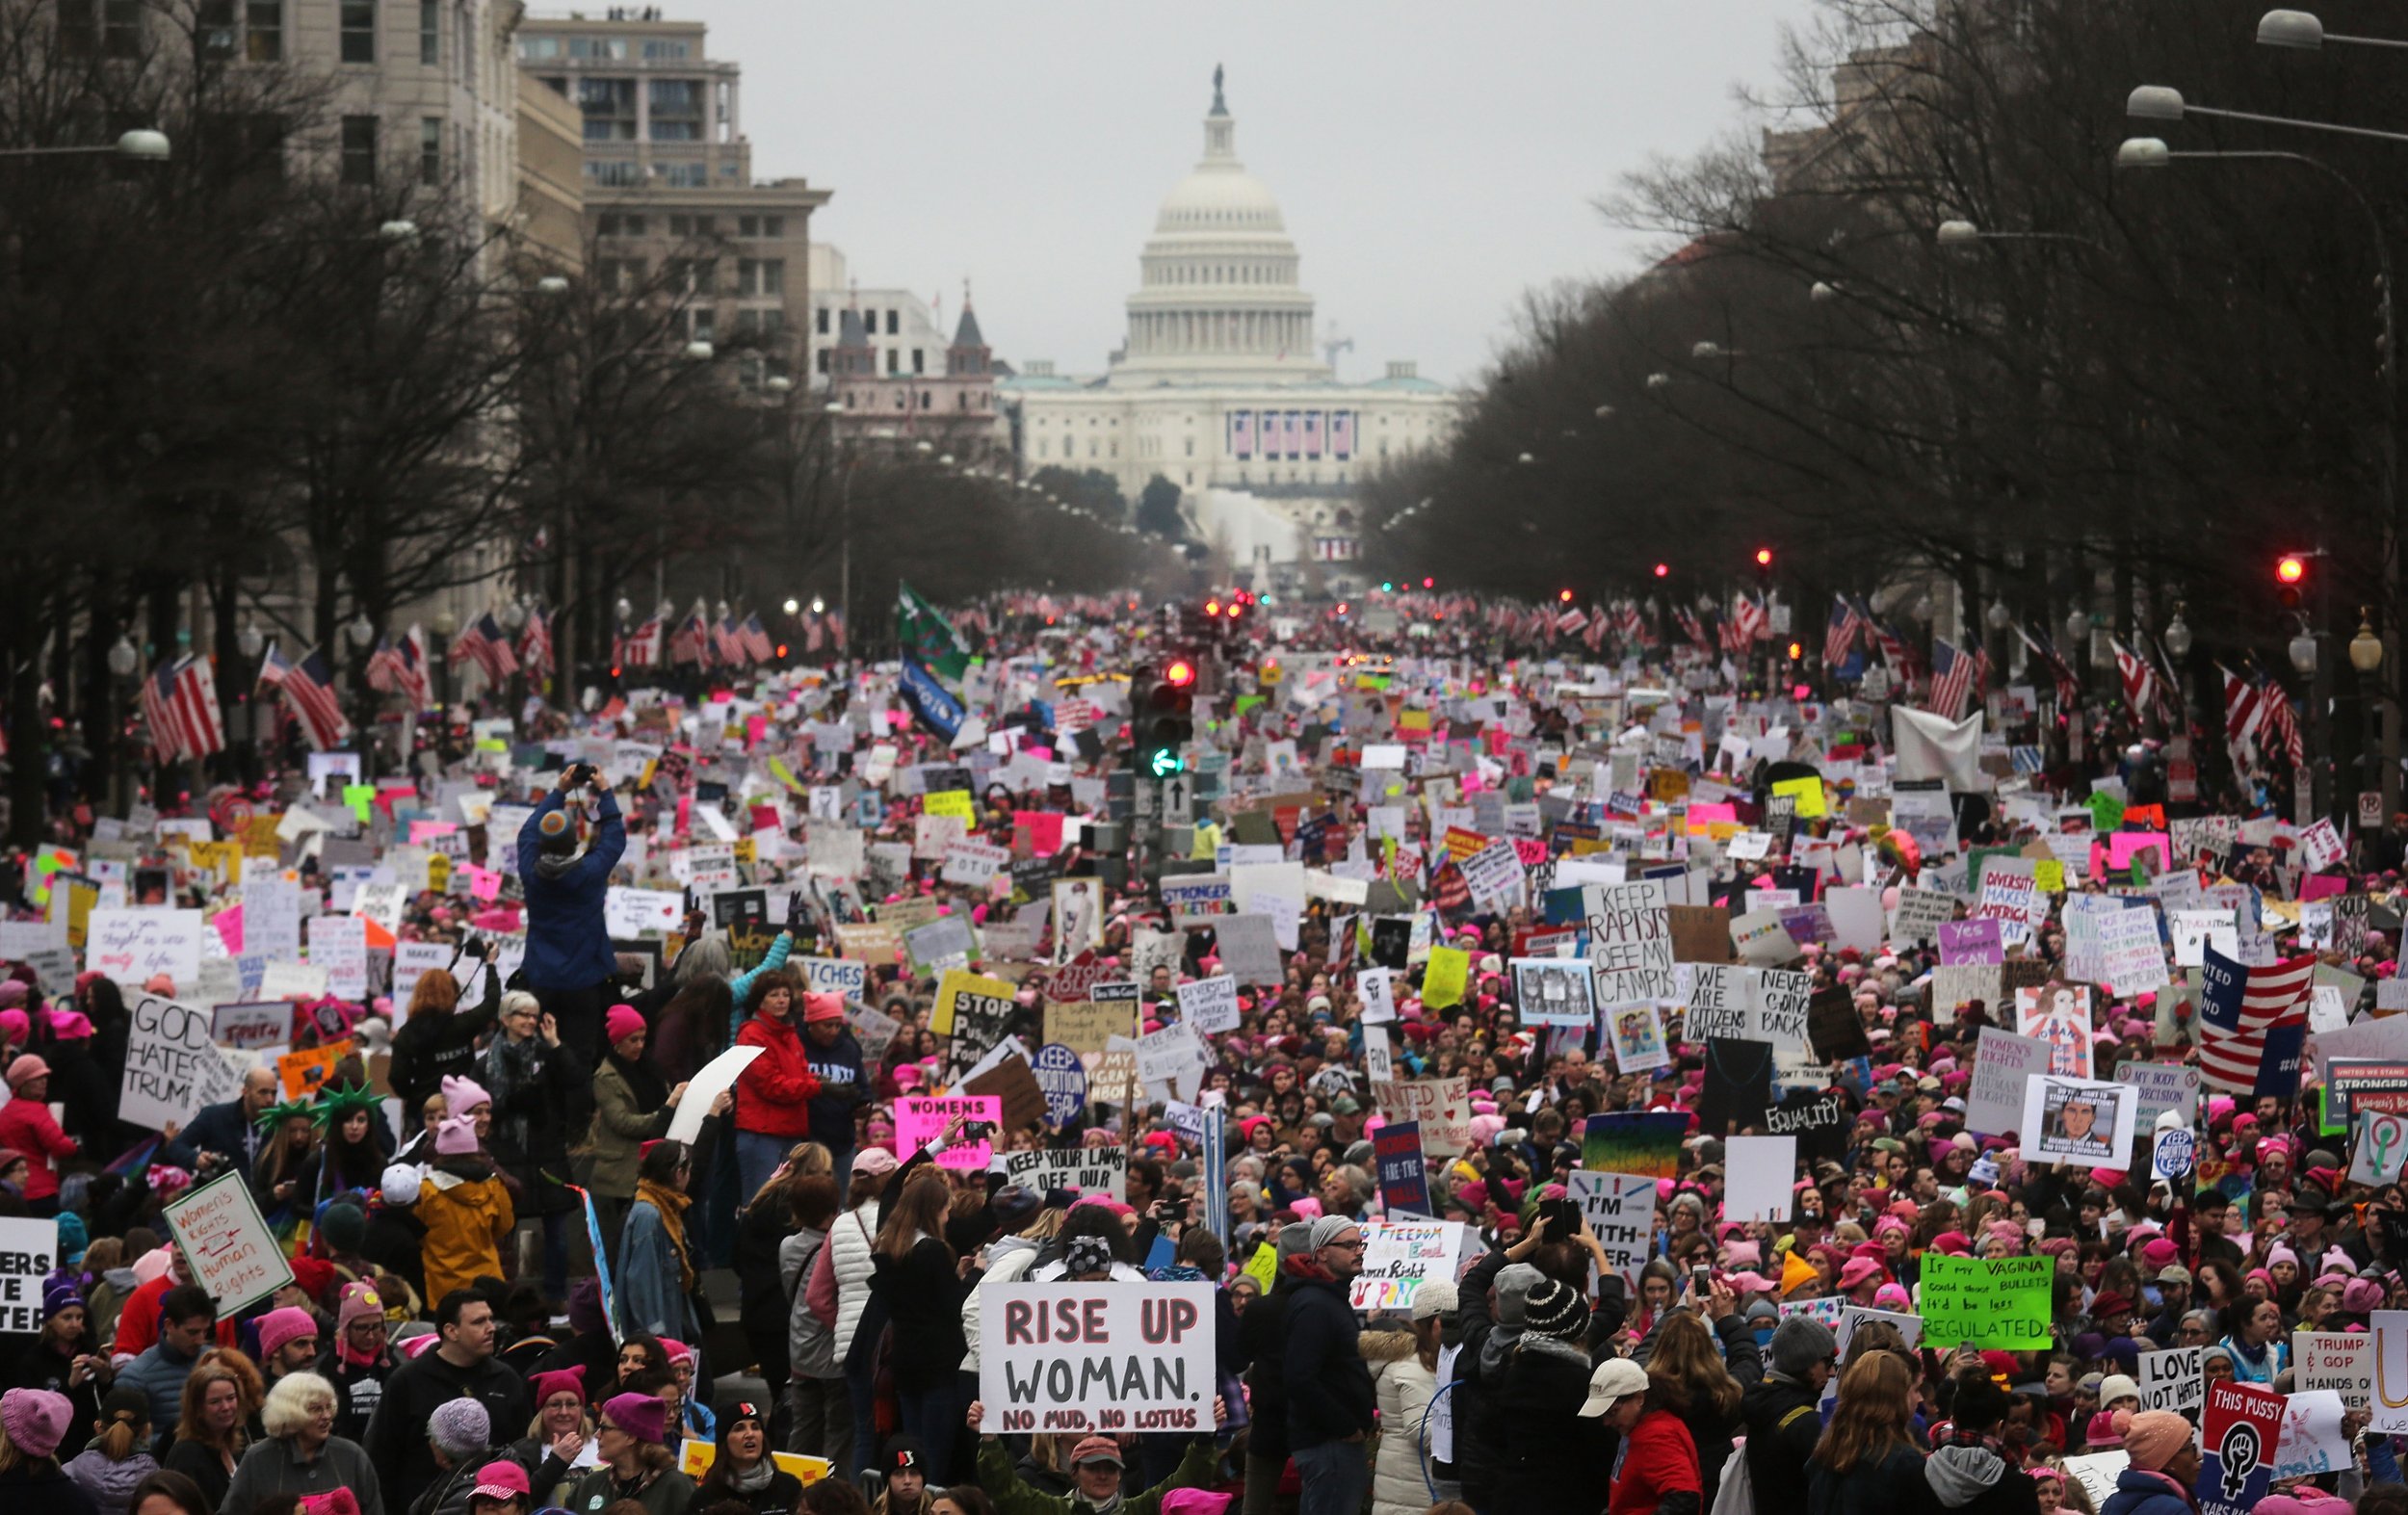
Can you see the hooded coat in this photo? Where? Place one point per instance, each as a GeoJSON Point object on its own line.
{"type": "Point", "coordinates": [1974, 1481]}
{"type": "Point", "coordinates": [468, 1215]}
{"type": "Point", "coordinates": [568, 941]}
{"type": "Point", "coordinates": [1488, 1340]}
{"type": "Point", "coordinates": [1401, 1472]}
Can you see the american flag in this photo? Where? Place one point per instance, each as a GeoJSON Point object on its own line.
{"type": "Point", "coordinates": [690, 641]}
{"type": "Point", "coordinates": [534, 643]}
{"type": "Point", "coordinates": [1842, 634]}
{"type": "Point", "coordinates": [2140, 676]}
{"type": "Point", "coordinates": [2060, 671]}
{"type": "Point", "coordinates": [1573, 620]}
{"type": "Point", "coordinates": [757, 639]}
{"type": "Point", "coordinates": [400, 668]}
{"type": "Point", "coordinates": [2239, 1008]}
{"type": "Point", "coordinates": [2281, 725]}
{"type": "Point", "coordinates": [180, 706]}
{"type": "Point", "coordinates": [1693, 628]}
{"type": "Point", "coordinates": [1630, 623]}
{"type": "Point", "coordinates": [2244, 707]}
{"type": "Point", "coordinates": [812, 633]}
{"type": "Point", "coordinates": [727, 643]}
{"type": "Point", "coordinates": [1751, 618]}
{"type": "Point", "coordinates": [639, 648]}
{"type": "Point", "coordinates": [308, 691]}
{"type": "Point", "coordinates": [1955, 677]}
{"type": "Point", "coordinates": [1893, 650]}
{"type": "Point", "coordinates": [836, 630]}
{"type": "Point", "coordinates": [1595, 637]}
{"type": "Point", "coordinates": [485, 642]}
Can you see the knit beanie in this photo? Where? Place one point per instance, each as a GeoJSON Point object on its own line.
{"type": "Point", "coordinates": [1325, 1230]}
{"type": "Point", "coordinates": [2152, 1437]}
{"type": "Point", "coordinates": [56, 1294]}
{"type": "Point", "coordinates": [279, 1327]}
{"type": "Point", "coordinates": [642, 1416]}
{"type": "Point", "coordinates": [462, 1095]}
{"type": "Point", "coordinates": [360, 1302]}
{"type": "Point", "coordinates": [36, 1420]}
{"type": "Point", "coordinates": [460, 1428]}
{"type": "Point", "coordinates": [1514, 1285]}
{"type": "Point", "coordinates": [1798, 1344]}
{"type": "Point", "coordinates": [456, 1136]}
{"type": "Point", "coordinates": [1436, 1296]}
{"type": "Point", "coordinates": [1555, 1309]}
{"type": "Point", "coordinates": [344, 1226]}
{"type": "Point", "coordinates": [622, 1022]}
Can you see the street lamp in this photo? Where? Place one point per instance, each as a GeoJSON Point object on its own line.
{"type": "Point", "coordinates": [139, 145]}
{"type": "Point", "coordinates": [1999, 616]}
{"type": "Point", "coordinates": [1526, 459]}
{"type": "Point", "coordinates": [2303, 649]}
{"type": "Point", "coordinates": [250, 639]}
{"type": "Point", "coordinates": [625, 610]}
{"type": "Point", "coordinates": [2177, 638]}
{"type": "Point", "coordinates": [1823, 292]}
{"type": "Point", "coordinates": [361, 629]}
{"type": "Point", "coordinates": [924, 447]}
{"type": "Point", "coordinates": [699, 352]}
{"type": "Point", "coordinates": [398, 232]}
{"type": "Point", "coordinates": [2366, 649]}
{"type": "Point", "coordinates": [2302, 31]}
{"type": "Point", "coordinates": [2157, 102]}
{"type": "Point", "coordinates": [792, 605]}
{"type": "Point", "coordinates": [818, 606]}
{"type": "Point", "coordinates": [778, 384]}
{"type": "Point", "coordinates": [552, 286]}
{"type": "Point", "coordinates": [1659, 380]}
{"type": "Point", "coordinates": [122, 658]}
{"type": "Point", "coordinates": [1961, 235]}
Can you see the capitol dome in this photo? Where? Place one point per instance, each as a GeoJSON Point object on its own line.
{"type": "Point", "coordinates": [1219, 300]}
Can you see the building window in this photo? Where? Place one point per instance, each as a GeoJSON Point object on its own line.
{"type": "Point", "coordinates": [894, 362]}
{"type": "Point", "coordinates": [772, 225]}
{"type": "Point", "coordinates": [705, 322]}
{"type": "Point", "coordinates": [611, 176]}
{"type": "Point", "coordinates": [431, 149]}
{"type": "Point", "coordinates": [610, 109]}
{"type": "Point", "coordinates": [430, 32]}
{"type": "Point", "coordinates": [821, 321]}
{"type": "Point", "coordinates": [821, 357]}
{"type": "Point", "coordinates": [928, 402]}
{"type": "Point", "coordinates": [114, 27]}
{"type": "Point", "coordinates": [677, 106]}
{"type": "Point", "coordinates": [688, 175]}
{"type": "Point", "coordinates": [761, 323]}
{"type": "Point", "coordinates": [216, 26]}
{"type": "Point", "coordinates": [537, 47]}
{"type": "Point", "coordinates": [760, 276]}
{"type": "Point", "coordinates": [662, 48]}
{"type": "Point", "coordinates": [359, 149]}
{"type": "Point", "coordinates": [605, 47]}
{"type": "Point", "coordinates": [894, 322]}
{"type": "Point", "coordinates": [360, 30]}
{"type": "Point", "coordinates": [919, 361]}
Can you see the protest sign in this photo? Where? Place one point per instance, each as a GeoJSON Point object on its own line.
{"type": "Point", "coordinates": [2059, 1014]}
{"type": "Point", "coordinates": [246, 1026]}
{"type": "Point", "coordinates": [2239, 1434]}
{"type": "Point", "coordinates": [130, 946]}
{"type": "Point", "coordinates": [1109, 1357]}
{"type": "Point", "coordinates": [1756, 1182]}
{"type": "Point", "coordinates": [960, 989]}
{"type": "Point", "coordinates": [2312, 1440]}
{"type": "Point", "coordinates": [1399, 1257]}
{"type": "Point", "coordinates": [1630, 941]}
{"type": "Point", "coordinates": [1088, 1170]}
{"type": "Point", "coordinates": [919, 1118]}
{"type": "Point", "coordinates": [1985, 1302]}
{"type": "Point", "coordinates": [338, 945]}
{"type": "Point", "coordinates": [2077, 1121]}
{"type": "Point", "coordinates": [1062, 1078]}
{"type": "Point", "coordinates": [1210, 1004]}
{"type": "Point", "coordinates": [2160, 1086]}
{"type": "Point", "coordinates": [233, 1254]}
{"type": "Point", "coordinates": [1631, 1141]}
{"type": "Point", "coordinates": [2004, 1065]}
{"type": "Point", "coordinates": [2172, 1380]}
{"type": "Point", "coordinates": [1553, 991]}
{"type": "Point", "coordinates": [1819, 1119]}
{"type": "Point", "coordinates": [1620, 1208]}
{"type": "Point", "coordinates": [1636, 1034]}
{"type": "Point", "coordinates": [29, 1250]}
{"type": "Point", "coordinates": [2097, 1473]}
{"type": "Point", "coordinates": [173, 1065]}
{"type": "Point", "coordinates": [1403, 1172]}
{"type": "Point", "coordinates": [1442, 1106]}
{"type": "Point", "coordinates": [1085, 1026]}
{"type": "Point", "coordinates": [2340, 1360]}
{"type": "Point", "coordinates": [2390, 1330]}
{"type": "Point", "coordinates": [709, 1081]}
{"type": "Point", "coordinates": [1171, 1057]}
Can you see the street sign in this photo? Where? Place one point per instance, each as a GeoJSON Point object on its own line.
{"type": "Point", "coordinates": [1178, 799]}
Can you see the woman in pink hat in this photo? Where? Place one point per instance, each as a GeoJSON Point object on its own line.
{"type": "Point", "coordinates": [26, 1126]}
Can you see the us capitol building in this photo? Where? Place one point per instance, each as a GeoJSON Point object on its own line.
{"type": "Point", "coordinates": [1219, 387]}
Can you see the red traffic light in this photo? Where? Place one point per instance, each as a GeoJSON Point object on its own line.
{"type": "Point", "coordinates": [1212, 606]}
{"type": "Point", "coordinates": [1664, 570]}
{"type": "Point", "coordinates": [2290, 568]}
{"type": "Point", "coordinates": [1764, 557]}
{"type": "Point", "coordinates": [1796, 651]}
{"type": "Point", "coordinates": [1428, 583]}
{"type": "Point", "coordinates": [1565, 595]}
{"type": "Point", "coordinates": [1179, 673]}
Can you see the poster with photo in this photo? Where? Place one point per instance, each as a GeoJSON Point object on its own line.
{"type": "Point", "coordinates": [1078, 917]}
{"type": "Point", "coordinates": [1553, 991]}
{"type": "Point", "coordinates": [2078, 1121]}
{"type": "Point", "coordinates": [1636, 1034]}
{"type": "Point", "coordinates": [2059, 1013]}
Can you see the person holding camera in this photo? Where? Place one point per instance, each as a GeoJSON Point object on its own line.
{"type": "Point", "coordinates": [569, 964]}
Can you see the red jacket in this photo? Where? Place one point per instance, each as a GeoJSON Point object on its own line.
{"type": "Point", "coordinates": [1661, 1460]}
{"type": "Point", "coordinates": [774, 1094]}
{"type": "Point", "coordinates": [26, 1126]}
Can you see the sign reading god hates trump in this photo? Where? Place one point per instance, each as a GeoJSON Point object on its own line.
{"type": "Point", "coordinates": [1109, 1357]}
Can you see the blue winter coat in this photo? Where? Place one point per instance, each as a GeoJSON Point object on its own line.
{"type": "Point", "coordinates": [2143, 1493]}
{"type": "Point", "coordinates": [568, 944]}
{"type": "Point", "coordinates": [651, 1281]}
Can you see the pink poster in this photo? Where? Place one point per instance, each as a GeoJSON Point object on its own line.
{"type": "Point", "coordinates": [920, 1118]}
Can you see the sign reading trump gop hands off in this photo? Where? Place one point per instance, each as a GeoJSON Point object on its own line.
{"type": "Point", "coordinates": [1097, 1357]}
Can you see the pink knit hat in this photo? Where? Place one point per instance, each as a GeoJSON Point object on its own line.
{"type": "Point", "coordinates": [2152, 1437]}
{"type": "Point", "coordinates": [622, 1022]}
{"type": "Point", "coordinates": [279, 1328]}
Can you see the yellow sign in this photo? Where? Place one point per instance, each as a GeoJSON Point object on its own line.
{"type": "Point", "coordinates": [1085, 1026]}
{"type": "Point", "coordinates": [302, 1072]}
{"type": "Point", "coordinates": [222, 858]}
{"type": "Point", "coordinates": [695, 1460]}
{"type": "Point", "coordinates": [2050, 875]}
{"type": "Point", "coordinates": [259, 836]}
{"type": "Point", "coordinates": [949, 802]}
{"type": "Point", "coordinates": [1449, 971]}
{"type": "Point", "coordinates": [1807, 792]}
{"type": "Point", "coordinates": [1263, 1266]}
{"type": "Point", "coordinates": [958, 981]}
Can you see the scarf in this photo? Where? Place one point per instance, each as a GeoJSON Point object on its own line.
{"type": "Point", "coordinates": [755, 1480]}
{"type": "Point", "coordinates": [643, 1082]}
{"type": "Point", "coordinates": [511, 1066]}
{"type": "Point", "coordinates": [672, 1205]}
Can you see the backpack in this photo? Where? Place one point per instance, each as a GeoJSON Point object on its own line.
{"type": "Point", "coordinates": [1737, 1494]}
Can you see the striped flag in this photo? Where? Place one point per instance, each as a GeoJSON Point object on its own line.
{"type": "Point", "coordinates": [690, 641]}
{"type": "Point", "coordinates": [179, 703]}
{"type": "Point", "coordinates": [2244, 708]}
{"type": "Point", "coordinates": [1693, 628]}
{"type": "Point", "coordinates": [639, 648]}
{"type": "Point", "coordinates": [2060, 671]}
{"type": "Point", "coordinates": [757, 639]}
{"type": "Point", "coordinates": [485, 642]}
{"type": "Point", "coordinates": [534, 643]}
{"type": "Point", "coordinates": [1893, 650]}
{"type": "Point", "coordinates": [2281, 725]}
{"type": "Point", "coordinates": [1753, 621]}
{"type": "Point", "coordinates": [2244, 1013]}
{"type": "Point", "coordinates": [1840, 636]}
{"type": "Point", "coordinates": [1955, 677]}
{"type": "Point", "coordinates": [307, 688]}
{"type": "Point", "coordinates": [397, 669]}
{"type": "Point", "coordinates": [1573, 620]}
{"type": "Point", "coordinates": [2139, 677]}
{"type": "Point", "coordinates": [727, 643]}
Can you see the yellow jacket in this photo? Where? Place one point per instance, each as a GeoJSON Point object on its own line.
{"type": "Point", "coordinates": [465, 1221]}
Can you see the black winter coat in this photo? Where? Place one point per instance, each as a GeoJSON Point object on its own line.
{"type": "Point", "coordinates": [1329, 1386]}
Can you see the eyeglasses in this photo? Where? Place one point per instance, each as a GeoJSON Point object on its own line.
{"type": "Point", "coordinates": [1355, 1245]}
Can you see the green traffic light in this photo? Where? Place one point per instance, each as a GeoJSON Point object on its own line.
{"type": "Point", "coordinates": [1387, 587]}
{"type": "Point", "coordinates": [1163, 763]}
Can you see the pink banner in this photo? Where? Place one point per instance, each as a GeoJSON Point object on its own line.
{"type": "Point", "coordinates": [920, 1118]}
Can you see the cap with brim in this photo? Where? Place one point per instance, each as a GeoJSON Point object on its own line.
{"type": "Point", "coordinates": [1615, 1380]}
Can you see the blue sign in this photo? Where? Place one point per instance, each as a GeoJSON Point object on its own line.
{"type": "Point", "coordinates": [1063, 1078]}
{"type": "Point", "coordinates": [1403, 1172]}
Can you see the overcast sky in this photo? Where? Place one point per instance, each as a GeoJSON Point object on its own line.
{"type": "Point", "coordinates": [1434, 159]}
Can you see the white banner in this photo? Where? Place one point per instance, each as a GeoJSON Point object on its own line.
{"type": "Point", "coordinates": [233, 1253]}
{"type": "Point", "coordinates": [173, 1065]}
{"type": "Point", "coordinates": [29, 1251]}
{"type": "Point", "coordinates": [1399, 1256]}
{"type": "Point", "coordinates": [1109, 1357]}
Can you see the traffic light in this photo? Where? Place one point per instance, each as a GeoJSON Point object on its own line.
{"type": "Point", "coordinates": [1763, 564]}
{"type": "Point", "coordinates": [1664, 570]}
{"type": "Point", "coordinates": [2291, 575]}
{"type": "Point", "coordinates": [1162, 720]}
{"type": "Point", "coordinates": [1798, 650]}
{"type": "Point", "coordinates": [1563, 596]}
